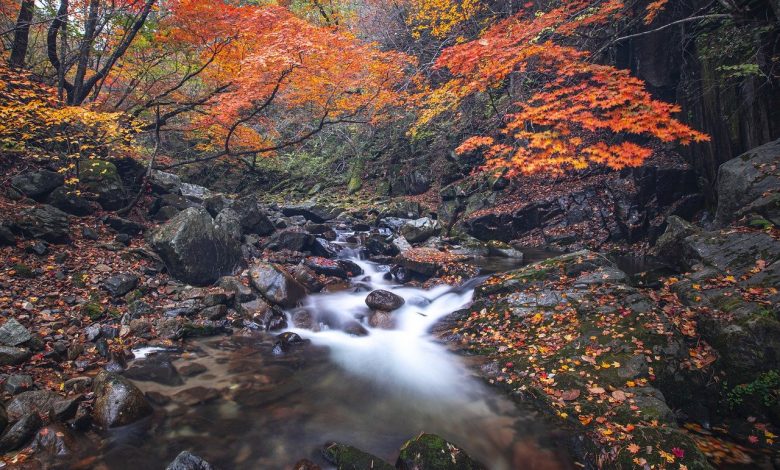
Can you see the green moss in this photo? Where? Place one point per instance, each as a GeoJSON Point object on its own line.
{"type": "Point", "coordinates": [92, 309]}
{"type": "Point", "coordinates": [80, 279]}
{"type": "Point", "coordinates": [431, 452]}
{"type": "Point", "coordinates": [765, 388]}
{"type": "Point", "coordinates": [23, 271]}
{"type": "Point", "coordinates": [762, 224]}
{"type": "Point", "coordinates": [346, 457]}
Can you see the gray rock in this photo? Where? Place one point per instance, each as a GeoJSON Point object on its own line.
{"type": "Point", "coordinates": [252, 217]}
{"type": "Point", "coordinates": [18, 383]}
{"type": "Point", "coordinates": [745, 179]}
{"type": "Point", "coordinates": [195, 192]}
{"type": "Point", "coordinates": [21, 432]}
{"type": "Point", "coordinates": [13, 333]}
{"type": "Point", "coordinates": [68, 201]}
{"type": "Point", "coordinates": [125, 226]}
{"type": "Point", "coordinates": [188, 461]}
{"type": "Point", "coordinates": [384, 300]}
{"type": "Point", "coordinates": [419, 230]}
{"type": "Point", "coordinates": [669, 246]}
{"type": "Point", "coordinates": [194, 249]}
{"type": "Point", "coordinates": [44, 222]}
{"type": "Point", "coordinates": [120, 284]}
{"type": "Point", "coordinates": [10, 356]}
{"type": "Point", "coordinates": [317, 213]}
{"type": "Point", "coordinates": [276, 285]}
{"type": "Point", "coordinates": [233, 284]}
{"type": "Point", "coordinates": [7, 237]}
{"type": "Point", "coordinates": [229, 221]}
{"type": "Point", "coordinates": [38, 184]}
{"type": "Point", "coordinates": [117, 401]}
{"type": "Point", "coordinates": [39, 402]}
{"type": "Point", "coordinates": [165, 183]}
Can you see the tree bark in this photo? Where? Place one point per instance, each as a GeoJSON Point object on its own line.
{"type": "Point", "coordinates": [22, 34]}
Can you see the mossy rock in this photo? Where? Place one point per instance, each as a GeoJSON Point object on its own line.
{"type": "Point", "coordinates": [80, 279]}
{"type": "Point", "coordinates": [101, 179]}
{"type": "Point", "coordinates": [346, 457]}
{"type": "Point", "coordinates": [431, 452]}
{"type": "Point", "coordinates": [92, 309]}
{"type": "Point", "coordinates": [355, 183]}
{"type": "Point", "coordinates": [23, 271]}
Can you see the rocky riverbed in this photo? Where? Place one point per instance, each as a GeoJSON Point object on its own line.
{"type": "Point", "coordinates": [201, 311]}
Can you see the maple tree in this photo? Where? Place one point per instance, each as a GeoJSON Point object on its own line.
{"type": "Point", "coordinates": [571, 112]}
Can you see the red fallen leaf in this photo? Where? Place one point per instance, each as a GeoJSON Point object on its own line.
{"type": "Point", "coordinates": [570, 395]}
{"type": "Point", "coordinates": [679, 453]}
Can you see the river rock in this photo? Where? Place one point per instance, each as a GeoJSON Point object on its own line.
{"type": "Point", "coordinates": [276, 285]}
{"type": "Point", "coordinates": [354, 328]}
{"type": "Point", "coordinates": [20, 432]}
{"type": "Point", "coordinates": [419, 230]}
{"type": "Point", "coordinates": [11, 356]}
{"type": "Point", "coordinates": [36, 401]}
{"type": "Point", "coordinates": [38, 184]}
{"type": "Point", "coordinates": [67, 200]}
{"type": "Point", "coordinates": [118, 401]}
{"type": "Point", "coordinates": [317, 213]}
{"type": "Point", "coordinates": [13, 333]}
{"type": "Point", "coordinates": [229, 221]}
{"type": "Point", "coordinates": [293, 239]}
{"type": "Point", "coordinates": [431, 452]}
{"type": "Point", "coordinates": [384, 300]}
{"type": "Point", "coordinates": [54, 440]}
{"type": "Point", "coordinates": [18, 383]}
{"type": "Point", "coordinates": [252, 217]}
{"type": "Point", "coordinates": [748, 180]}
{"type": "Point", "coordinates": [346, 457]}
{"type": "Point", "coordinates": [120, 284]}
{"type": "Point", "coordinates": [194, 249]}
{"type": "Point", "coordinates": [165, 183]}
{"type": "Point", "coordinates": [195, 192]}
{"type": "Point", "coordinates": [232, 284]}
{"type": "Point", "coordinates": [45, 222]}
{"type": "Point", "coordinates": [188, 461]}
{"type": "Point", "coordinates": [101, 180]}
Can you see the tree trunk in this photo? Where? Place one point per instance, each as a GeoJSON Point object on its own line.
{"type": "Point", "coordinates": [22, 34]}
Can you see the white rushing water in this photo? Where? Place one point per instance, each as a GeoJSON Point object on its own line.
{"type": "Point", "coordinates": [405, 357]}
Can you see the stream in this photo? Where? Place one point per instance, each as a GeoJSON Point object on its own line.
{"type": "Point", "coordinates": [245, 407]}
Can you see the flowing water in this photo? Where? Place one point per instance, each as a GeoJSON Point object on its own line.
{"type": "Point", "coordinates": [253, 409]}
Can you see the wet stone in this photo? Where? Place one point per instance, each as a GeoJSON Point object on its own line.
{"type": "Point", "coordinates": [20, 432]}
{"type": "Point", "coordinates": [188, 461]}
{"type": "Point", "coordinates": [192, 369]}
{"type": "Point", "coordinates": [196, 396]}
{"type": "Point", "coordinates": [18, 383]}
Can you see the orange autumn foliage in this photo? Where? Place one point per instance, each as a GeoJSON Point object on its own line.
{"type": "Point", "coordinates": [574, 113]}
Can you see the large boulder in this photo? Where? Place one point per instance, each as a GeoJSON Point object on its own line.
{"type": "Point", "coordinates": [67, 200]}
{"type": "Point", "coordinates": [752, 179]}
{"type": "Point", "coordinates": [165, 183]}
{"type": "Point", "coordinates": [118, 401]}
{"type": "Point", "coordinates": [251, 216]}
{"type": "Point", "coordinates": [38, 184]}
{"type": "Point", "coordinates": [419, 230]}
{"type": "Point", "coordinates": [194, 249]}
{"type": "Point", "coordinates": [101, 180]}
{"type": "Point", "coordinates": [44, 222]}
{"type": "Point", "coordinates": [276, 285]}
